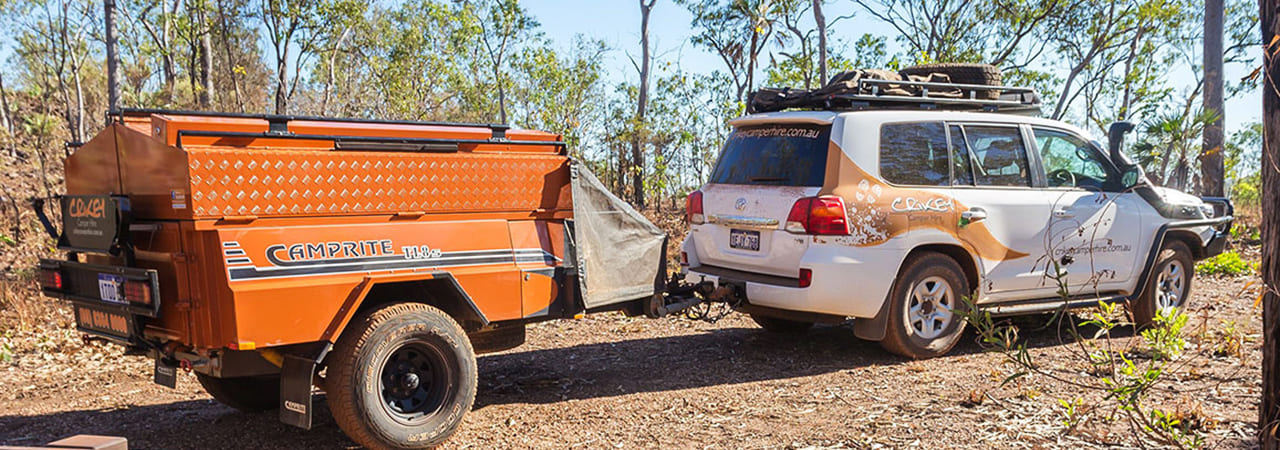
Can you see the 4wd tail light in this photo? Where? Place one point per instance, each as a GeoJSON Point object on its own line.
{"type": "Point", "coordinates": [693, 208]}
{"type": "Point", "coordinates": [818, 215]}
{"type": "Point", "coordinates": [684, 259]}
{"type": "Point", "coordinates": [137, 292]}
{"type": "Point", "coordinates": [51, 278]}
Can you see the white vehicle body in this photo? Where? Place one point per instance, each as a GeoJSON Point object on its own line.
{"type": "Point", "coordinates": [1009, 239]}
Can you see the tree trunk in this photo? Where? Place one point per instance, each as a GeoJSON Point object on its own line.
{"type": "Point", "coordinates": [1211, 164]}
{"type": "Point", "coordinates": [206, 57]}
{"type": "Point", "coordinates": [79, 127]}
{"type": "Point", "coordinates": [282, 77]}
{"type": "Point", "coordinates": [230, 63]}
{"type": "Point", "coordinates": [113, 58]}
{"type": "Point", "coordinates": [1269, 410]}
{"type": "Point", "coordinates": [642, 104]}
{"type": "Point", "coordinates": [166, 53]}
{"type": "Point", "coordinates": [333, 60]}
{"type": "Point", "coordinates": [6, 122]}
{"type": "Point", "coordinates": [822, 41]}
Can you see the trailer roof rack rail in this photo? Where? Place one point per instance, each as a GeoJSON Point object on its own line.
{"type": "Point", "coordinates": [369, 143]}
{"type": "Point", "coordinates": [285, 118]}
{"type": "Point", "coordinates": [354, 139]}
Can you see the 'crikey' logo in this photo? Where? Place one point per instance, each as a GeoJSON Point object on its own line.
{"type": "Point", "coordinates": [87, 208]}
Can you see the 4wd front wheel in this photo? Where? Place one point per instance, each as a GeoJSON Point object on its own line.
{"type": "Point", "coordinates": [1168, 286]}
{"type": "Point", "coordinates": [926, 309]}
{"type": "Point", "coordinates": [402, 376]}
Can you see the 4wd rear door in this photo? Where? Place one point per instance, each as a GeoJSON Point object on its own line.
{"type": "Point", "coordinates": [760, 174]}
{"type": "Point", "coordinates": [999, 194]}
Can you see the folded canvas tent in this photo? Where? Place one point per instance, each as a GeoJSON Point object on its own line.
{"type": "Point", "coordinates": [620, 254]}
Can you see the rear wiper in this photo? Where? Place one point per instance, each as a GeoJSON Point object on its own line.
{"type": "Point", "coordinates": [766, 179]}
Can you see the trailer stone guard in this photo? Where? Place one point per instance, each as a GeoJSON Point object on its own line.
{"type": "Point", "coordinates": [260, 251]}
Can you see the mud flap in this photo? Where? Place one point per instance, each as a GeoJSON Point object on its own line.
{"type": "Point", "coordinates": [166, 374]}
{"type": "Point", "coordinates": [295, 391]}
{"type": "Point", "coordinates": [873, 329]}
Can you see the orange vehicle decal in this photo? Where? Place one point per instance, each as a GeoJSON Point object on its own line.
{"type": "Point", "coordinates": [879, 211]}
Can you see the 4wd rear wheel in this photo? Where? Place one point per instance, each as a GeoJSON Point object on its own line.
{"type": "Point", "coordinates": [776, 325]}
{"type": "Point", "coordinates": [1168, 286]}
{"type": "Point", "coordinates": [402, 376]}
{"type": "Point", "coordinates": [926, 309]}
{"type": "Point", "coordinates": [246, 394]}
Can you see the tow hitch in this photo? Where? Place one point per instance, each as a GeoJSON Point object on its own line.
{"type": "Point", "coordinates": [699, 301]}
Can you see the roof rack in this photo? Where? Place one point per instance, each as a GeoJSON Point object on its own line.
{"type": "Point", "coordinates": [284, 118]}
{"type": "Point", "coordinates": [278, 128]}
{"type": "Point", "coordinates": [1011, 99]}
{"type": "Point", "coordinates": [872, 93]}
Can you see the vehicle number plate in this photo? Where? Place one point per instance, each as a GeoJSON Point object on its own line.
{"type": "Point", "coordinates": [109, 288]}
{"type": "Point", "coordinates": [744, 240]}
{"type": "Point", "coordinates": [103, 322]}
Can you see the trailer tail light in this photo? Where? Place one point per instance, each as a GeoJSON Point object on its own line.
{"type": "Point", "coordinates": [693, 208]}
{"type": "Point", "coordinates": [51, 279]}
{"type": "Point", "coordinates": [818, 216]}
{"type": "Point", "coordinates": [137, 292]}
{"type": "Point", "coordinates": [684, 259]}
{"type": "Point", "coordinates": [806, 278]}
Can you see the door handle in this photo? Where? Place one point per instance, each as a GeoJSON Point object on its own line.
{"type": "Point", "coordinates": [1063, 213]}
{"type": "Point", "coordinates": [973, 215]}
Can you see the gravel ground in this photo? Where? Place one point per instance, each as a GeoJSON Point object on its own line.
{"type": "Point", "coordinates": [607, 381]}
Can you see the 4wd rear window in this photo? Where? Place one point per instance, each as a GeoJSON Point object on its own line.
{"type": "Point", "coordinates": [914, 154]}
{"type": "Point", "coordinates": [774, 155]}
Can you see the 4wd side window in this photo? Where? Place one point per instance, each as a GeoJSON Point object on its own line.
{"type": "Point", "coordinates": [914, 154]}
{"type": "Point", "coordinates": [1071, 162]}
{"type": "Point", "coordinates": [962, 159]}
{"type": "Point", "coordinates": [999, 156]}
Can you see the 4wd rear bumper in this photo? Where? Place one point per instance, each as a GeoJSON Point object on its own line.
{"type": "Point", "coordinates": [845, 281]}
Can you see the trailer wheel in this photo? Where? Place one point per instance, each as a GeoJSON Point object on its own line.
{"type": "Point", "coordinates": [776, 325]}
{"type": "Point", "coordinates": [245, 394]}
{"type": "Point", "coordinates": [1168, 286]}
{"type": "Point", "coordinates": [402, 376]}
{"type": "Point", "coordinates": [926, 309]}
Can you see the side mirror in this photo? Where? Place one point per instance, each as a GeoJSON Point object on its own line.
{"type": "Point", "coordinates": [1131, 176]}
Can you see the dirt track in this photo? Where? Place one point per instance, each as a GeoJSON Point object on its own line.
{"type": "Point", "coordinates": [608, 381]}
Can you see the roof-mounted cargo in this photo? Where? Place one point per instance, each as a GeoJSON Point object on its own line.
{"type": "Point", "coordinates": [980, 90]}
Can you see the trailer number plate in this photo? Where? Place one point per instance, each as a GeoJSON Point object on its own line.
{"type": "Point", "coordinates": [109, 288]}
{"type": "Point", "coordinates": [745, 240]}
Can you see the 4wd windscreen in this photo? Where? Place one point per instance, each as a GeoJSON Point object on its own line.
{"type": "Point", "coordinates": [774, 155]}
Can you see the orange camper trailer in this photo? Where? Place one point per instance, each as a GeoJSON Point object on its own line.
{"type": "Point", "coordinates": [260, 251]}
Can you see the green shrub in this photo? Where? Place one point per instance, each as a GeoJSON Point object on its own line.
{"type": "Point", "coordinates": [1226, 263]}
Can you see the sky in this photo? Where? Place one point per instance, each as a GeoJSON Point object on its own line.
{"type": "Point", "coordinates": [617, 23]}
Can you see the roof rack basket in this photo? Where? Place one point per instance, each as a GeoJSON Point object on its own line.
{"type": "Point", "coordinates": [872, 94]}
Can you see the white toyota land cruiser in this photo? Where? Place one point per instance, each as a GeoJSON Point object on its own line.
{"type": "Point", "coordinates": [893, 210]}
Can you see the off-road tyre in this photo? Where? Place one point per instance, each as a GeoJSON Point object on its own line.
{"type": "Point", "coordinates": [962, 73]}
{"type": "Point", "coordinates": [776, 325]}
{"type": "Point", "coordinates": [245, 394]}
{"type": "Point", "coordinates": [904, 338]}
{"type": "Point", "coordinates": [498, 339]}
{"type": "Point", "coordinates": [1146, 306]}
{"type": "Point", "coordinates": [370, 371]}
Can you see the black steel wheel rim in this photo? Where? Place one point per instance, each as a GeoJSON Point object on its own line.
{"type": "Point", "coordinates": [414, 382]}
